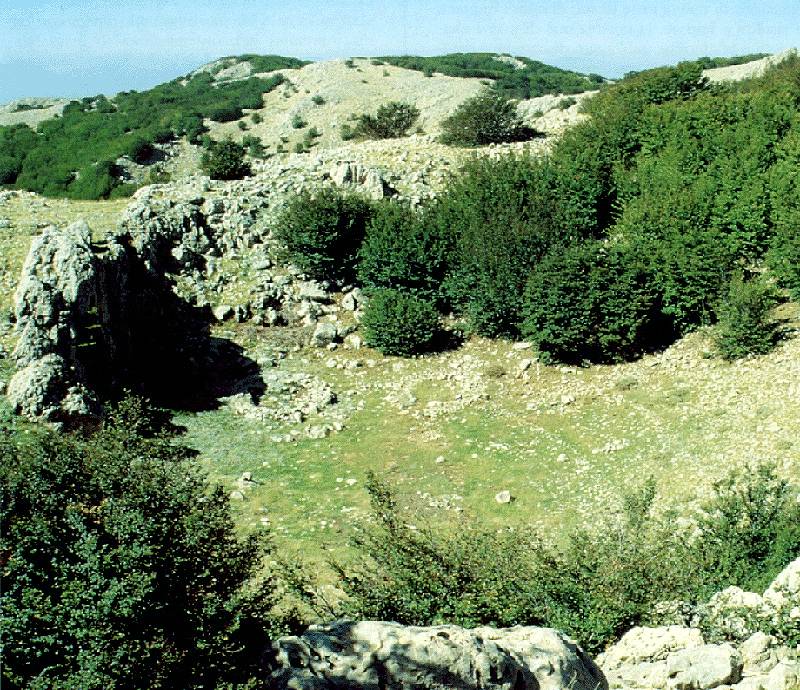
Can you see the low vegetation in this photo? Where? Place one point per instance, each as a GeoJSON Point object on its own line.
{"type": "Point", "coordinates": [75, 154]}
{"type": "Point", "coordinates": [121, 566]}
{"type": "Point", "coordinates": [392, 120]}
{"type": "Point", "coordinates": [515, 77]}
{"type": "Point", "coordinates": [225, 160]}
{"type": "Point", "coordinates": [397, 323]}
{"type": "Point", "coordinates": [596, 585]}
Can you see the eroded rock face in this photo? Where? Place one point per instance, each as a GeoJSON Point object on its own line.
{"type": "Point", "coordinates": [681, 658]}
{"type": "Point", "coordinates": [374, 655]}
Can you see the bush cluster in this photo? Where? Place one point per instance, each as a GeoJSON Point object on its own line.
{"type": "Point", "coordinates": [746, 325]}
{"type": "Point", "coordinates": [323, 232]}
{"type": "Point", "coordinates": [97, 129]}
{"type": "Point", "coordinates": [525, 79]}
{"type": "Point", "coordinates": [121, 567]}
{"type": "Point", "coordinates": [224, 160]}
{"type": "Point", "coordinates": [596, 586]}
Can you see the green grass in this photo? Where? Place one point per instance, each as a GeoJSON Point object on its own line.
{"type": "Point", "coordinates": [566, 443]}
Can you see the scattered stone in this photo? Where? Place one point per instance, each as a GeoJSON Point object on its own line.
{"type": "Point", "coordinates": [236, 495]}
{"type": "Point", "coordinates": [223, 312]}
{"type": "Point", "coordinates": [504, 497]}
{"type": "Point", "coordinates": [324, 334]}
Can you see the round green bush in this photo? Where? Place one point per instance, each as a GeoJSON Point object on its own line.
{"type": "Point", "coordinates": [224, 160]}
{"type": "Point", "coordinates": [322, 233]}
{"type": "Point", "coordinates": [590, 302]}
{"type": "Point", "coordinates": [392, 120]}
{"type": "Point", "coordinates": [401, 250]}
{"type": "Point", "coordinates": [396, 323]}
{"type": "Point", "coordinates": [488, 118]}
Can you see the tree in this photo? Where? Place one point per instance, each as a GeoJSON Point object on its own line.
{"type": "Point", "coordinates": [224, 160]}
{"type": "Point", "coordinates": [121, 568]}
{"type": "Point", "coordinates": [392, 120]}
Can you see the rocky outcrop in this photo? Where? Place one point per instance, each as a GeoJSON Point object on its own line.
{"type": "Point", "coordinates": [375, 655]}
{"type": "Point", "coordinates": [723, 644]}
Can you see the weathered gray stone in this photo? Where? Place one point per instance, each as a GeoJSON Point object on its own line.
{"type": "Point", "coordinates": [324, 334]}
{"type": "Point", "coordinates": [222, 312]}
{"type": "Point", "coordinates": [374, 655]}
{"type": "Point", "coordinates": [704, 667]}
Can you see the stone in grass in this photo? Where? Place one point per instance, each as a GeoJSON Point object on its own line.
{"type": "Point", "coordinates": [223, 312]}
{"type": "Point", "coordinates": [504, 497]}
{"type": "Point", "coordinates": [324, 334]}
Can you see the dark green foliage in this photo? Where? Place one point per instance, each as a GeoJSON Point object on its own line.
{"type": "Point", "coordinates": [746, 324]}
{"type": "Point", "coordinates": [710, 63]}
{"type": "Point", "coordinates": [403, 250]}
{"type": "Point", "coordinates": [139, 150]}
{"type": "Point", "coordinates": [317, 100]}
{"type": "Point", "coordinates": [592, 302]}
{"type": "Point", "coordinates": [393, 119]}
{"type": "Point", "coordinates": [100, 129]}
{"type": "Point", "coordinates": [322, 233]}
{"type": "Point", "coordinates": [256, 118]}
{"type": "Point", "coordinates": [121, 568]}
{"type": "Point", "coordinates": [95, 181]}
{"type": "Point", "coordinates": [15, 143]}
{"type": "Point", "coordinates": [225, 113]}
{"type": "Point", "coordinates": [488, 118]}
{"type": "Point", "coordinates": [224, 160]}
{"type": "Point", "coordinates": [500, 216]}
{"type": "Point", "coordinates": [398, 323]}
{"type": "Point", "coordinates": [534, 79]}
{"type": "Point", "coordinates": [270, 63]}
{"type": "Point", "coordinates": [748, 532]}
{"type": "Point", "coordinates": [298, 122]}
{"type": "Point", "coordinates": [595, 587]}
{"type": "Point", "coordinates": [784, 188]}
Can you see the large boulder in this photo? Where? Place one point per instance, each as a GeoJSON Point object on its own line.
{"type": "Point", "coordinates": [376, 655]}
{"type": "Point", "coordinates": [57, 283]}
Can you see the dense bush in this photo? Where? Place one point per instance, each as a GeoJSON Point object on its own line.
{"type": "Point", "coordinates": [592, 302]}
{"type": "Point", "coordinates": [224, 160]}
{"type": "Point", "coordinates": [392, 120]}
{"type": "Point", "coordinates": [746, 324]}
{"type": "Point", "coordinates": [323, 232]}
{"type": "Point", "coordinates": [500, 216]}
{"type": "Point", "coordinates": [784, 189]}
{"type": "Point", "coordinates": [488, 118]}
{"type": "Point", "coordinates": [15, 143]}
{"type": "Point", "coordinates": [519, 77]}
{"type": "Point", "coordinates": [403, 250]}
{"type": "Point", "coordinates": [396, 323]}
{"type": "Point", "coordinates": [121, 567]}
{"type": "Point", "coordinates": [595, 587]}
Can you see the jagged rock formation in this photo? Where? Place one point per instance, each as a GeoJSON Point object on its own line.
{"type": "Point", "coordinates": [719, 645]}
{"type": "Point", "coordinates": [373, 655]}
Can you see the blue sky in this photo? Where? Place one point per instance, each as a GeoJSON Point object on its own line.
{"type": "Point", "coordinates": [84, 47]}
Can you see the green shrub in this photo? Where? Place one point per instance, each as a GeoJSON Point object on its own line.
{"type": "Point", "coordinates": [253, 145]}
{"type": "Point", "coordinates": [323, 232]}
{"type": "Point", "coordinates": [121, 567]}
{"type": "Point", "coordinates": [784, 188]}
{"type": "Point", "coordinates": [256, 118]}
{"type": "Point", "coordinates": [139, 150]}
{"type": "Point", "coordinates": [401, 250]}
{"type": "Point", "coordinates": [396, 323]}
{"type": "Point", "coordinates": [591, 302]}
{"type": "Point", "coordinates": [346, 132]}
{"type": "Point", "coordinates": [500, 216]}
{"type": "Point", "coordinates": [298, 122]}
{"type": "Point", "coordinates": [596, 586]}
{"type": "Point", "coordinates": [94, 182]}
{"type": "Point", "coordinates": [316, 99]}
{"type": "Point", "coordinates": [242, 125]}
{"type": "Point", "coordinates": [225, 113]}
{"type": "Point", "coordinates": [746, 325]}
{"type": "Point", "coordinates": [488, 118]}
{"type": "Point", "coordinates": [224, 160]}
{"type": "Point", "coordinates": [392, 120]}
